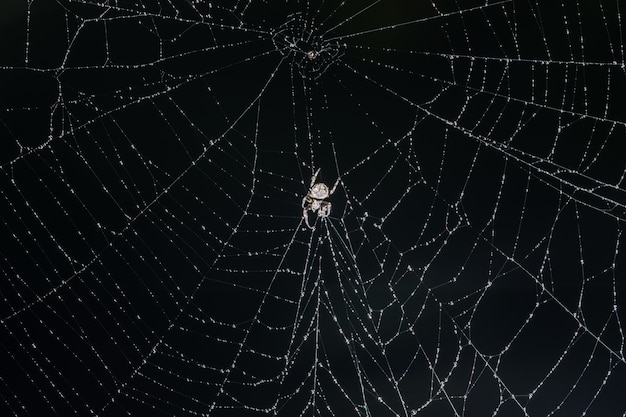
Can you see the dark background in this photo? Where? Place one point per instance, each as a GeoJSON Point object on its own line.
{"type": "Point", "coordinates": [154, 259]}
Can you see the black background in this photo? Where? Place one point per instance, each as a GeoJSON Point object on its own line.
{"type": "Point", "coordinates": [154, 258]}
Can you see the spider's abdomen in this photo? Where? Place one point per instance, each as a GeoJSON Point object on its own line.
{"type": "Point", "coordinates": [319, 191]}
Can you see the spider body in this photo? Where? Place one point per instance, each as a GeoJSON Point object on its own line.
{"type": "Point", "coordinates": [315, 200]}
{"type": "Point", "coordinates": [312, 54]}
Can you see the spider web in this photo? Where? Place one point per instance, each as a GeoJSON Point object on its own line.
{"type": "Point", "coordinates": [155, 260]}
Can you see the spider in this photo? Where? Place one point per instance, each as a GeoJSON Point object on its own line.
{"type": "Point", "coordinates": [315, 200]}
{"type": "Point", "coordinates": [312, 54]}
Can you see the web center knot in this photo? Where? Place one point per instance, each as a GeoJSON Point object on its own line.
{"type": "Point", "coordinates": [308, 52]}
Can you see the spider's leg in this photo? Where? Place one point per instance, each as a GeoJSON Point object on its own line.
{"type": "Point", "coordinates": [332, 190]}
{"type": "Point", "coordinates": [314, 177]}
{"type": "Point", "coordinates": [305, 200]}
{"type": "Point", "coordinates": [305, 214]}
